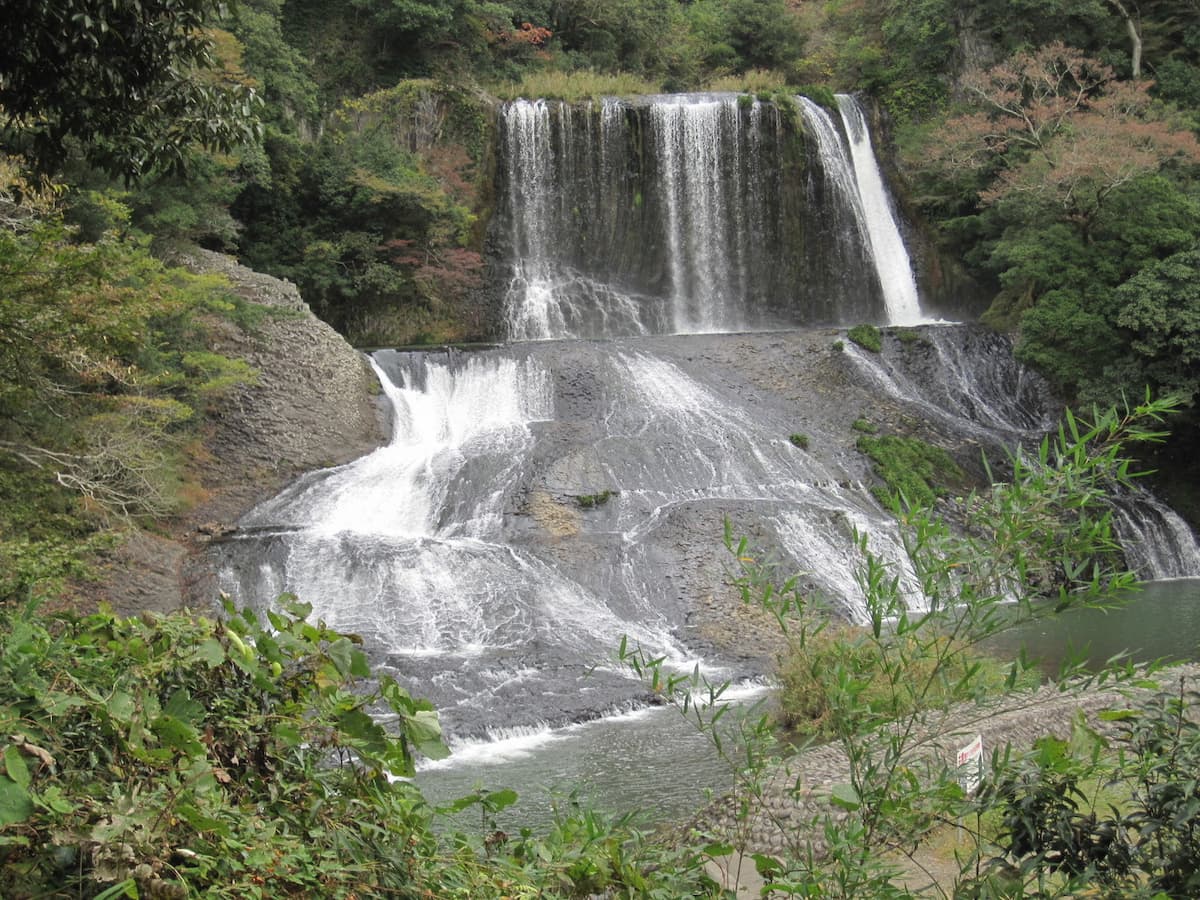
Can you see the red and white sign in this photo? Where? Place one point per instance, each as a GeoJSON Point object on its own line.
{"type": "Point", "coordinates": [970, 765]}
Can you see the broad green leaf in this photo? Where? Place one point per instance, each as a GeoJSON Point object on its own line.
{"type": "Point", "coordinates": [1118, 715]}
{"type": "Point", "coordinates": [177, 735]}
{"type": "Point", "coordinates": [766, 865]}
{"type": "Point", "coordinates": [14, 765]}
{"type": "Point", "coordinates": [53, 799]}
{"type": "Point", "coordinates": [183, 707]}
{"type": "Point", "coordinates": [341, 652]}
{"type": "Point", "coordinates": [360, 666]}
{"type": "Point", "coordinates": [56, 703]}
{"type": "Point", "coordinates": [120, 706]}
{"type": "Point", "coordinates": [494, 801]}
{"type": "Point", "coordinates": [845, 796]}
{"type": "Point", "coordinates": [288, 734]}
{"type": "Point", "coordinates": [211, 653]}
{"type": "Point", "coordinates": [425, 732]}
{"type": "Point", "coordinates": [458, 805]}
{"type": "Point", "coordinates": [15, 804]}
{"type": "Point", "coordinates": [199, 821]}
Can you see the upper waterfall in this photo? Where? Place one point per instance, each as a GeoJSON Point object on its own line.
{"type": "Point", "coordinates": [689, 213]}
{"type": "Point", "coordinates": [887, 246]}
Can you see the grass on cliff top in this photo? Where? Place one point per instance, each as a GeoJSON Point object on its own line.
{"type": "Point", "coordinates": [756, 81]}
{"type": "Point", "coordinates": [575, 86]}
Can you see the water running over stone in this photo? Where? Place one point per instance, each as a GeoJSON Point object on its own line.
{"type": "Point", "coordinates": [879, 218]}
{"type": "Point", "coordinates": [541, 500]}
{"type": "Point", "coordinates": [676, 214]}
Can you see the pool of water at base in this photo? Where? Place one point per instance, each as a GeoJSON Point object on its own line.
{"type": "Point", "coordinates": [653, 761]}
{"type": "Point", "coordinates": [1161, 620]}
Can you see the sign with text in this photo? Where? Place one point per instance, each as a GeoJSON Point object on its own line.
{"type": "Point", "coordinates": [970, 765]}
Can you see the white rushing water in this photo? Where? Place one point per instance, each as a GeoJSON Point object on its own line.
{"type": "Point", "coordinates": [547, 297]}
{"type": "Point", "coordinates": [540, 502]}
{"type": "Point", "coordinates": [887, 246]}
{"type": "Point", "coordinates": [1158, 544]}
{"type": "Point", "coordinates": [690, 213]}
{"type": "Point", "coordinates": [702, 231]}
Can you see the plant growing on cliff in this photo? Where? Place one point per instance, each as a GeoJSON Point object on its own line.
{"type": "Point", "coordinates": [104, 372]}
{"type": "Point", "coordinates": [914, 473]}
{"type": "Point", "coordinates": [591, 501]}
{"type": "Point", "coordinates": [867, 337]}
{"type": "Point", "coordinates": [1046, 531]}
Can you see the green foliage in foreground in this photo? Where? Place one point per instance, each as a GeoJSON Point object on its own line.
{"type": "Point", "coordinates": [883, 688]}
{"type": "Point", "coordinates": [240, 758]}
{"type": "Point", "coordinates": [1146, 845]}
{"type": "Point", "coordinates": [806, 707]}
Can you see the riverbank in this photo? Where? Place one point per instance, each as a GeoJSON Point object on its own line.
{"type": "Point", "coordinates": [797, 792]}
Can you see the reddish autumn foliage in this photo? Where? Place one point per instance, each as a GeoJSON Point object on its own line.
{"type": "Point", "coordinates": [442, 273]}
{"type": "Point", "coordinates": [1059, 126]}
{"type": "Point", "coordinates": [528, 34]}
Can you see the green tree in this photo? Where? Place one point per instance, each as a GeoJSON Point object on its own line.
{"type": "Point", "coordinates": [1160, 307]}
{"type": "Point", "coordinates": [127, 81]}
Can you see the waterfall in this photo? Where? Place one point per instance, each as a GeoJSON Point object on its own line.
{"type": "Point", "coordinates": [540, 500]}
{"type": "Point", "coordinates": [1157, 542]}
{"type": "Point", "coordinates": [965, 380]}
{"type": "Point", "coordinates": [887, 246]}
{"type": "Point", "coordinates": [551, 291]}
{"type": "Point", "coordinates": [705, 233]}
{"type": "Point", "coordinates": [684, 213]}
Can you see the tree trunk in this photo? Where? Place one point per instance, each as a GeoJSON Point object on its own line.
{"type": "Point", "coordinates": [1135, 37]}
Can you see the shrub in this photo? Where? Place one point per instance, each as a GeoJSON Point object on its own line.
{"type": "Point", "coordinates": [251, 744]}
{"type": "Point", "coordinates": [591, 501]}
{"type": "Point", "coordinates": [876, 690]}
{"type": "Point", "coordinates": [799, 440]}
{"type": "Point", "coordinates": [863, 425]}
{"type": "Point", "coordinates": [867, 337]}
{"type": "Point", "coordinates": [818, 94]}
{"type": "Point", "coordinates": [806, 697]}
{"type": "Point", "coordinates": [755, 81]}
{"type": "Point", "coordinates": [583, 84]}
{"type": "Point", "coordinates": [185, 757]}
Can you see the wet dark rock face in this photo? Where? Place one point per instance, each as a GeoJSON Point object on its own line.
{"type": "Point", "coordinates": [668, 214]}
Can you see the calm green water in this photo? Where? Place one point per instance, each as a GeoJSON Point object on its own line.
{"type": "Point", "coordinates": [1161, 621]}
{"type": "Point", "coordinates": [652, 761]}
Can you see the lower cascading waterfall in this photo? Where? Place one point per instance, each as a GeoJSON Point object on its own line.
{"type": "Point", "coordinates": [541, 502]}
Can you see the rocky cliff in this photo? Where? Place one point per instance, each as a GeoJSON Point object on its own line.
{"type": "Point", "coordinates": [310, 406]}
